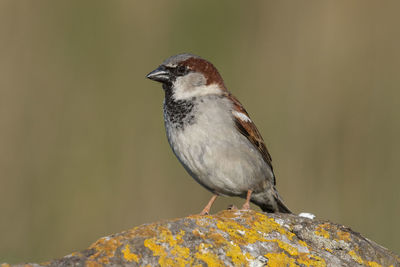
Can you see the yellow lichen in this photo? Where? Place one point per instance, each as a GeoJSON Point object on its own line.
{"type": "Point", "coordinates": [374, 264]}
{"type": "Point", "coordinates": [216, 237]}
{"type": "Point", "coordinates": [286, 247]}
{"type": "Point", "coordinates": [302, 243]}
{"type": "Point", "coordinates": [158, 250]}
{"type": "Point", "coordinates": [146, 230]}
{"type": "Point", "coordinates": [235, 253]}
{"type": "Point", "coordinates": [105, 249]}
{"type": "Point", "coordinates": [228, 235]}
{"type": "Point", "coordinates": [266, 225]}
{"type": "Point", "coordinates": [180, 252]}
{"type": "Point", "coordinates": [5, 265]}
{"type": "Point", "coordinates": [321, 231]}
{"type": "Point", "coordinates": [279, 259]}
{"type": "Point", "coordinates": [360, 260]}
{"type": "Point", "coordinates": [232, 228]}
{"type": "Point", "coordinates": [205, 255]}
{"type": "Point", "coordinates": [345, 236]}
{"type": "Point", "coordinates": [202, 221]}
{"type": "Point", "coordinates": [232, 249]}
{"type": "Point", "coordinates": [197, 233]}
{"type": "Point", "coordinates": [261, 225]}
{"type": "Point", "coordinates": [310, 260]}
{"type": "Point", "coordinates": [158, 246]}
{"type": "Point", "coordinates": [300, 257]}
{"type": "Point", "coordinates": [128, 255]}
{"type": "Point", "coordinates": [282, 259]}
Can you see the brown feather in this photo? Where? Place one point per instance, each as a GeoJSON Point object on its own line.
{"type": "Point", "coordinates": [250, 131]}
{"type": "Point", "coordinates": [208, 70]}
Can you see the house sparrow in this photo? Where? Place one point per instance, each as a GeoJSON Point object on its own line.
{"type": "Point", "coordinates": [213, 136]}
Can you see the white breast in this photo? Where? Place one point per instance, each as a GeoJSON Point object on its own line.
{"type": "Point", "coordinates": [215, 154]}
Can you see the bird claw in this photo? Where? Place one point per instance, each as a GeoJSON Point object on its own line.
{"type": "Point", "coordinates": [246, 206]}
{"type": "Point", "coordinates": [205, 212]}
{"type": "Point", "coordinates": [232, 207]}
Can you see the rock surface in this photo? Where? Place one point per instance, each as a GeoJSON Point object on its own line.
{"type": "Point", "coordinates": [233, 238]}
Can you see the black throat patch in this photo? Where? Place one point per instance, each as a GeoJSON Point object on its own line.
{"type": "Point", "coordinates": [178, 112]}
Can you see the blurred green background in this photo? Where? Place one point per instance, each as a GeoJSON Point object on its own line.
{"type": "Point", "coordinates": [83, 151]}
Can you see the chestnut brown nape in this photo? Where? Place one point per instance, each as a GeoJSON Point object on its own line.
{"type": "Point", "coordinates": [209, 71]}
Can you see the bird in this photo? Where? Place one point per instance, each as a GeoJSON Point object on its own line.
{"type": "Point", "coordinates": [213, 136]}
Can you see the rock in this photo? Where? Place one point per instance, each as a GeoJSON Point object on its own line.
{"type": "Point", "coordinates": [233, 238]}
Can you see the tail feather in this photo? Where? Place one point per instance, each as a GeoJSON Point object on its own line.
{"type": "Point", "coordinates": [282, 207]}
{"type": "Point", "coordinates": [270, 201]}
{"type": "Point", "coordinates": [269, 207]}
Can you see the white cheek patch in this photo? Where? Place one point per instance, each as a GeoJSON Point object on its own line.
{"type": "Point", "coordinates": [241, 116]}
{"type": "Point", "coordinates": [183, 91]}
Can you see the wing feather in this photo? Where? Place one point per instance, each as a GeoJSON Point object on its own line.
{"type": "Point", "coordinates": [246, 127]}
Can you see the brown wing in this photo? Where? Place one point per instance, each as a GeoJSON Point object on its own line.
{"type": "Point", "coordinates": [249, 130]}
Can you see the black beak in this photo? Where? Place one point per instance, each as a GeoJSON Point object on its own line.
{"type": "Point", "coordinates": [161, 74]}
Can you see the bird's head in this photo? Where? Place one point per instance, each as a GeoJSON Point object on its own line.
{"type": "Point", "coordinates": [187, 76]}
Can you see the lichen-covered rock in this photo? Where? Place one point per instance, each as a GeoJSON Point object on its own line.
{"type": "Point", "coordinates": [233, 238]}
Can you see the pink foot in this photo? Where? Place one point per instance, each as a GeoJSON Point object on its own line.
{"type": "Point", "coordinates": [246, 206]}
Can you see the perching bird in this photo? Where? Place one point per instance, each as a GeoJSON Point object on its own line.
{"type": "Point", "coordinates": [212, 135]}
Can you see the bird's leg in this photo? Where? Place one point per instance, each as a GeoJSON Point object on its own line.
{"type": "Point", "coordinates": [207, 208]}
{"type": "Point", "coordinates": [246, 205]}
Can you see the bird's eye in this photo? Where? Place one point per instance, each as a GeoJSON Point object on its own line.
{"type": "Point", "coordinates": [180, 70]}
